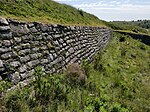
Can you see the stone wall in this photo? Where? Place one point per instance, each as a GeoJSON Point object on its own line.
{"type": "Point", "coordinates": [23, 46]}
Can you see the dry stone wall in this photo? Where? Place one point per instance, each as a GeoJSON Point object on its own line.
{"type": "Point", "coordinates": [23, 46]}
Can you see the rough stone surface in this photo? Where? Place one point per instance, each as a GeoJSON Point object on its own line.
{"type": "Point", "coordinates": [3, 21]}
{"type": "Point", "coordinates": [25, 46]}
{"type": "Point", "coordinates": [4, 28]}
{"type": "Point", "coordinates": [0, 78]}
{"type": "Point", "coordinates": [15, 64]}
{"type": "Point", "coordinates": [23, 69]}
{"type": "Point", "coordinates": [1, 66]}
{"type": "Point", "coordinates": [15, 78]}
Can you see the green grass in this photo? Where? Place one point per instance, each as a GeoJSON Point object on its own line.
{"type": "Point", "coordinates": [128, 27]}
{"type": "Point", "coordinates": [46, 11]}
{"type": "Point", "coordinates": [118, 81]}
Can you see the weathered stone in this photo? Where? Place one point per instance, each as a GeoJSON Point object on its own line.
{"type": "Point", "coordinates": [6, 43]}
{"type": "Point", "coordinates": [25, 46]}
{"type": "Point", "coordinates": [15, 64]}
{"type": "Point", "coordinates": [15, 78]}
{"type": "Point", "coordinates": [1, 78]}
{"type": "Point", "coordinates": [71, 50]}
{"type": "Point", "coordinates": [44, 28]}
{"type": "Point", "coordinates": [61, 41]}
{"type": "Point", "coordinates": [51, 57]}
{"type": "Point", "coordinates": [1, 66]}
{"type": "Point", "coordinates": [19, 29]}
{"type": "Point", "coordinates": [36, 55]}
{"type": "Point", "coordinates": [30, 25]}
{"type": "Point", "coordinates": [44, 61]}
{"type": "Point", "coordinates": [3, 21]}
{"type": "Point", "coordinates": [27, 74]}
{"type": "Point", "coordinates": [17, 48]}
{"type": "Point", "coordinates": [49, 45]}
{"type": "Point", "coordinates": [25, 59]}
{"type": "Point", "coordinates": [43, 48]}
{"type": "Point", "coordinates": [6, 35]}
{"type": "Point", "coordinates": [56, 43]}
{"type": "Point", "coordinates": [52, 47]}
{"type": "Point", "coordinates": [6, 55]}
{"type": "Point", "coordinates": [45, 52]}
{"type": "Point", "coordinates": [24, 52]}
{"type": "Point", "coordinates": [33, 30]}
{"type": "Point", "coordinates": [67, 54]}
{"type": "Point", "coordinates": [55, 61]}
{"type": "Point", "coordinates": [23, 69]}
{"type": "Point", "coordinates": [35, 49]}
{"type": "Point", "coordinates": [4, 50]}
{"type": "Point", "coordinates": [33, 63]}
{"type": "Point", "coordinates": [4, 28]}
{"type": "Point", "coordinates": [17, 39]}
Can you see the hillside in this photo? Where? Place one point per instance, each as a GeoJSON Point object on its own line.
{"type": "Point", "coordinates": [118, 81]}
{"type": "Point", "coordinates": [141, 23]}
{"type": "Point", "coordinates": [140, 26]}
{"type": "Point", "coordinates": [46, 11]}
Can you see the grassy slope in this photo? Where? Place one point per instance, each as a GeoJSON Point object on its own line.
{"type": "Point", "coordinates": [118, 82]}
{"type": "Point", "coordinates": [46, 11]}
{"type": "Point", "coordinates": [128, 27]}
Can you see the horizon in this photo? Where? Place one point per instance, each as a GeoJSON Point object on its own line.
{"type": "Point", "coordinates": [116, 10]}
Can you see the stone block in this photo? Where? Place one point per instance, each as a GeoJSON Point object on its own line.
{"type": "Point", "coordinates": [25, 46]}
{"type": "Point", "coordinates": [4, 28]}
{"type": "Point", "coordinates": [33, 30]}
{"type": "Point", "coordinates": [24, 52]}
{"type": "Point", "coordinates": [6, 55]}
{"type": "Point", "coordinates": [25, 59]}
{"type": "Point", "coordinates": [33, 63]}
{"type": "Point", "coordinates": [3, 21]}
{"type": "Point", "coordinates": [1, 78]}
{"type": "Point", "coordinates": [44, 61]}
{"type": "Point", "coordinates": [71, 50]}
{"type": "Point", "coordinates": [6, 43]}
{"type": "Point", "coordinates": [23, 69]}
{"type": "Point", "coordinates": [15, 64]}
{"type": "Point", "coordinates": [36, 55]}
{"type": "Point", "coordinates": [1, 66]}
{"type": "Point", "coordinates": [4, 50]}
{"type": "Point", "coordinates": [27, 74]}
{"type": "Point", "coordinates": [19, 29]}
{"type": "Point", "coordinates": [6, 35]}
{"type": "Point", "coordinates": [15, 77]}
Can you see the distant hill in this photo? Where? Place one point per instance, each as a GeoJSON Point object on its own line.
{"type": "Point", "coordinates": [140, 26]}
{"type": "Point", "coordinates": [47, 11]}
{"type": "Point", "coordinates": [142, 23]}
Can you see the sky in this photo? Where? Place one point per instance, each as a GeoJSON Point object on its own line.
{"type": "Point", "coordinates": [113, 10]}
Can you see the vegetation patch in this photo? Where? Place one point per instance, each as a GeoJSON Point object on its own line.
{"type": "Point", "coordinates": [46, 11]}
{"type": "Point", "coordinates": [117, 81]}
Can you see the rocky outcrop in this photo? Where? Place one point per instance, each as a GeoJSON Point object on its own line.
{"type": "Point", "coordinates": [23, 46]}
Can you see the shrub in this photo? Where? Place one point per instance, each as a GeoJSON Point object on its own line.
{"type": "Point", "coordinates": [48, 87]}
{"type": "Point", "coordinates": [75, 74]}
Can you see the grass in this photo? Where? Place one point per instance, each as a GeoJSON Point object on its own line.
{"type": "Point", "coordinates": [47, 11]}
{"type": "Point", "coordinates": [118, 81]}
{"type": "Point", "coordinates": [123, 26]}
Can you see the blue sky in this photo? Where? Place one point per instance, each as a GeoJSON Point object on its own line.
{"type": "Point", "coordinates": [110, 10]}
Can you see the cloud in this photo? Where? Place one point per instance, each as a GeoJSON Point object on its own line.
{"type": "Point", "coordinates": [65, 0]}
{"type": "Point", "coordinates": [113, 9]}
{"type": "Point", "coordinates": [117, 10]}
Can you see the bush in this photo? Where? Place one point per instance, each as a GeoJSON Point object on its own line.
{"type": "Point", "coordinates": [75, 74]}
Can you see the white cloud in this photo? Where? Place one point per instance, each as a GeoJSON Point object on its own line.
{"type": "Point", "coordinates": [64, 0]}
{"type": "Point", "coordinates": [115, 10]}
